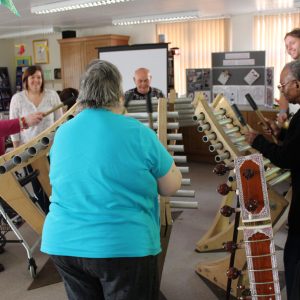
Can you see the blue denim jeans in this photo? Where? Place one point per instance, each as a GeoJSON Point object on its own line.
{"type": "Point", "coordinates": [129, 278]}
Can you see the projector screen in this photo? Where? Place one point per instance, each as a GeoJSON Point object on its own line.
{"type": "Point", "coordinates": [129, 58]}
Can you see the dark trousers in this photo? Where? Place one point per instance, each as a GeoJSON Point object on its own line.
{"type": "Point", "coordinates": [292, 265]}
{"type": "Point", "coordinates": [129, 278]}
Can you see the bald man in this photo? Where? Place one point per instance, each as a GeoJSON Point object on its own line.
{"type": "Point", "coordinates": [142, 79]}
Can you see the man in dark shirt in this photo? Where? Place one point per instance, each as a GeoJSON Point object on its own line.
{"type": "Point", "coordinates": [286, 156]}
{"type": "Point", "coordinates": [142, 79]}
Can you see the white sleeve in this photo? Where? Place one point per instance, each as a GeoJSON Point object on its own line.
{"type": "Point", "coordinates": [14, 113]}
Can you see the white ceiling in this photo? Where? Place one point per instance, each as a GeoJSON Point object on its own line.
{"type": "Point", "coordinates": [103, 15]}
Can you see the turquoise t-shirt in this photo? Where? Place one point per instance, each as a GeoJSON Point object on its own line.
{"type": "Point", "coordinates": [104, 203]}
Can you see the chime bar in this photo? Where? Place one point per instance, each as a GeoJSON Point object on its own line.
{"type": "Point", "coordinates": [219, 112]}
{"type": "Point", "coordinates": [199, 117]}
{"type": "Point", "coordinates": [272, 171]}
{"type": "Point", "coordinates": [182, 106]}
{"type": "Point", "coordinates": [180, 159]}
{"type": "Point", "coordinates": [189, 111]}
{"type": "Point", "coordinates": [203, 127]}
{"type": "Point", "coordinates": [145, 115]}
{"type": "Point", "coordinates": [175, 148]}
{"type": "Point", "coordinates": [22, 157]}
{"type": "Point", "coordinates": [183, 169]}
{"type": "Point", "coordinates": [209, 137]}
{"type": "Point", "coordinates": [185, 181]}
{"type": "Point", "coordinates": [232, 130]}
{"type": "Point", "coordinates": [172, 125]}
{"type": "Point", "coordinates": [184, 193]}
{"type": "Point", "coordinates": [244, 148]}
{"type": "Point", "coordinates": [33, 150]}
{"type": "Point", "coordinates": [221, 157]}
{"type": "Point", "coordinates": [280, 178]}
{"type": "Point", "coordinates": [238, 139]}
{"type": "Point", "coordinates": [8, 165]}
{"type": "Point", "coordinates": [216, 146]}
{"type": "Point", "coordinates": [226, 121]}
{"type": "Point", "coordinates": [183, 100]}
{"type": "Point", "coordinates": [174, 136]}
{"type": "Point", "coordinates": [183, 204]}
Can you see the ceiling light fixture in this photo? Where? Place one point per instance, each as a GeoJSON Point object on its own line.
{"type": "Point", "coordinates": [43, 30]}
{"type": "Point", "coordinates": [176, 17]}
{"type": "Point", "coordinates": [61, 6]}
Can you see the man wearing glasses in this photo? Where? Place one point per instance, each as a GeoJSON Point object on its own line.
{"type": "Point", "coordinates": [286, 155]}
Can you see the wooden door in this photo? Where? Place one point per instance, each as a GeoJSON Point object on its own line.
{"type": "Point", "coordinates": [72, 63]}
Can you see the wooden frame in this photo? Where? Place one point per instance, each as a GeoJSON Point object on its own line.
{"type": "Point", "coordinates": [40, 51]}
{"type": "Point", "coordinates": [23, 61]}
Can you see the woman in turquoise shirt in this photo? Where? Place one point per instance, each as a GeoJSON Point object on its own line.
{"type": "Point", "coordinates": [103, 229]}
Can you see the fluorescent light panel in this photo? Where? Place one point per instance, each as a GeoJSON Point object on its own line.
{"type": "Point", "coordinates": [44, 30]}
{"type": "Point", "coordinates": [70, 5]}
{"type": "Point", "coordinates": [176, 17]}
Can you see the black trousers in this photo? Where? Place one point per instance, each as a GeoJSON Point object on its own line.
{"type": "Point", "coordinates": [129, 278]}
{"type": "Point", "coordinates": [292, 266]}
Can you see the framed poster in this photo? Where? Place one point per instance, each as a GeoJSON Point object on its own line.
{"type": "Point", "coordinates": [40, 51]}
{"type": "Point", "coordinates": [23, 61]}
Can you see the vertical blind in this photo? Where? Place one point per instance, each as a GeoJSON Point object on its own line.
{"type": "Point", "coordinates": [196, 41]}
{"type": "Point", "coordinates": [268, 35]}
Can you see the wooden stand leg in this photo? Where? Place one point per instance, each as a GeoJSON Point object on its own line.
{"type": "Point", "coordinates": [13, 194]}
{"type": "Point", "coordinates": [215, 271]}
{"type": "Point", "coordinates": [219, 232]}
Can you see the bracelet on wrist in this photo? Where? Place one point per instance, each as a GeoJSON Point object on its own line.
{"type": "Point", "coordinates": [24, 124]}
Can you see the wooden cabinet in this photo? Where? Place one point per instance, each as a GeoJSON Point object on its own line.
{"type": "Point", "coordinates": [197, 151]}
{"type": "Point", "coordinates": [76, 53]}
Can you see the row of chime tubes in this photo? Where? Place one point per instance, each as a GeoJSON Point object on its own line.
{"type": "Point", "coordinates": [182, 105]}
{"type": "Point", "coordinates": [32, 151]}
{"type": "Point", "coordinates": [231, 130]}
{"type": "Point", "coordinates": [28, 153]}
{"type": "Point", "coordinates": [273, 174]}
{"type": "Point", "coordinates": [227, 211]}
{"type": "Point", "coordinates": [143, 117]}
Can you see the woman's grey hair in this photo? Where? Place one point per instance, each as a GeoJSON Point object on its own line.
{"type": "Point", "coordinates": [294, 68]}
{"type": "Point", "coordinates": [101, 85]}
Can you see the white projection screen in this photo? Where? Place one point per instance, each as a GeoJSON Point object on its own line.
{"type": "Point", "coordinates": [129, 58]}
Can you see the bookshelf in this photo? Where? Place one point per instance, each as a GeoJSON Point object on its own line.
{"type": "Point", "coordinates": [5, 89]}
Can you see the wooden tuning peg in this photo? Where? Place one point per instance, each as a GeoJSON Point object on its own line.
{"type": "Point", "coordinates": [224, 189]}
{"type": "Point", "coordinates": [221, 169]}
{"type": "Point", "coordinates": [227, 210]}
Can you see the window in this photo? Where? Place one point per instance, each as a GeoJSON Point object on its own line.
{"type": "Point", "coordinates": [196, 41]}
{"type": "Point", "coordinates": [268, 35]}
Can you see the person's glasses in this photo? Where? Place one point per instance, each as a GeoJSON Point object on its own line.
{"type": "Point", "coordinates": [281, 86]}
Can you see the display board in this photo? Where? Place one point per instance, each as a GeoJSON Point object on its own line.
{"type": "Point", "coordinates": [235, 74]}
{"type": "Point", "coordinates": [129, 58]}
